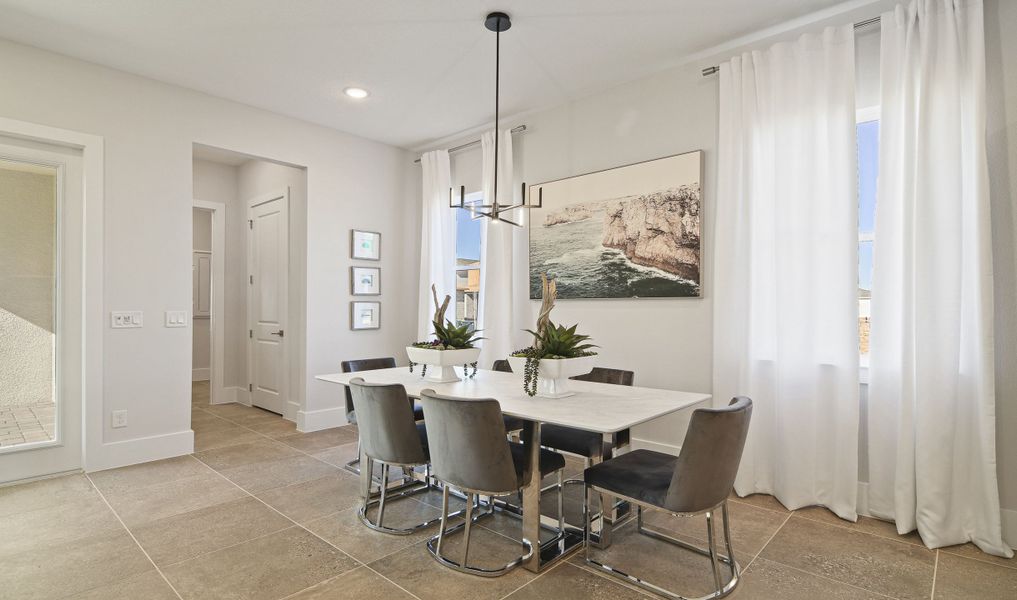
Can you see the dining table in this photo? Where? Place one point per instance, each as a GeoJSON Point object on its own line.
{"type": "Point", "coordinates": [608, 409]}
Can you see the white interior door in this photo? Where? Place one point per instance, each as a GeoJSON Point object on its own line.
{"type": "Point", "coordinates": [41, 305]}
{"type": "Point", "coordinates": [268, 279]}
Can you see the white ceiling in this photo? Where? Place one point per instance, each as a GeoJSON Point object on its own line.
{"type": "Point", "coordinates": [428, 64]}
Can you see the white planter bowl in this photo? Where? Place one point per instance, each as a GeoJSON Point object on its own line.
{"type": "Point", "coordinates": [441, 363]}
{"type": "Point", "coordinates": [553, 373]}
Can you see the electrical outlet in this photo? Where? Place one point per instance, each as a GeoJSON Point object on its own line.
{"type": "Point", "coordinates": [118, 419]}
{"type": "Point", "coordinates": [176, 318]}
{"type": "Point", "coordinates": [126, 319]}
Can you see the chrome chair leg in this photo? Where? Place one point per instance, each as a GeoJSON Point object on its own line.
{"type": "Point", "coordinates": [732, 563]}
{"type": "Point", "coordinates": [722, 588]}
{"type": "Point", "coordinates": [469, 525]}
{"type": "Point", "coordinates": [561, 501]}
{"type": "Point", "coordinates": [386, 495]}
{"type": "Point", "coordinates": [435, 544]}
{"type": "Point", "coordinates": [384, 490]}
{"type": "Point", "coordinates": [712, 545]}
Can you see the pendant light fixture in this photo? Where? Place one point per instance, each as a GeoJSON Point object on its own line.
{"type": "Point", "coordinates": [496, 22]}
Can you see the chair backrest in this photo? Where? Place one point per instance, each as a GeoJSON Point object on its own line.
{"type": "Point", "coordinates": [705, 471]}
{"type": "Point", "coordinates": [388, 430]}
{"type": "Point", "coordinates": [605, 375]}
{"type": "Point", "coordinates": [466, 440]}
{"type": "Point", "coordinates": [363, 364]}
{"type": "Point", "coordinates": [501, 365]}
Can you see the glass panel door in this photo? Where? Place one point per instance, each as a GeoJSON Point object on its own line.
{"type": "Point", "coordinates": [28, 280]}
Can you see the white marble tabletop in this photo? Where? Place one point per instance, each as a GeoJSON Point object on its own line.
{"type": "Point", "coordinates": [598, 407]}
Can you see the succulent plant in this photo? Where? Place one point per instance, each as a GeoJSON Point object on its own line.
{"type": "Point", "coordinates": [558, 341]}
{"type": "Point", "coordinates": [549, 340]}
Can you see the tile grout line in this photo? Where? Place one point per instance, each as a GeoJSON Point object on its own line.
{"type": "Point", "coordinates": [820, 576]}
{"type": "Point", "coordinates": [935, 571]}
{"type": "Point", "coordinates": [131, 533]}
{"type": "Point", "coordinates": [270, 438]}
{"type": "Point", "coordinates": [535, 578]}
{"type": "Point", "coordinates": [305, 529]}
{"type": "Point", "coordinates": [767, 543]}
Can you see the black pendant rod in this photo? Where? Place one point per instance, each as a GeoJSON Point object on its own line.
{"type": "Point", "coordinates": [497, 95]}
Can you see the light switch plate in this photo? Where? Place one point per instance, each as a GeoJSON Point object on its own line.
{"type": "Point", "coordinates": [176, 318]}
{"type": "Point", "coordinates": [118, 419]}
{"type": "Point", "coordinates": [126, 319]}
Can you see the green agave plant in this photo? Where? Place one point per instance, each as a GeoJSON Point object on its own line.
{"type": "Point", "coordinates": [558, 341]}
{"type": "Point", "coordinates": [455, 336]}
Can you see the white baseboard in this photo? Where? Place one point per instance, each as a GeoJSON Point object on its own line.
{"type": "Point", "coordinates": [237, 394]}
{"type": "Point", "coordinates": [132, 452]}
{"type": "Point", "coordinates": [291, 411]}
{"type": "Point", "coordinates": [201, 374]}
{"type": "Point", "coordinates": [638, 444]}
{"type": "Point", "coordinates": [316, 420]}
{"type": "Point", "coordinates": [1009, 526]}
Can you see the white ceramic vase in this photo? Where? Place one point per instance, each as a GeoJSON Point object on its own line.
{"type": "Point", "coordinates": [441, 363]}
{"type": "Point", "coordinates": [553, 373]}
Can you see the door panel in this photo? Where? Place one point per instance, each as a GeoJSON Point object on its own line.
{"type": "Point", "coordinates": [269, 254]}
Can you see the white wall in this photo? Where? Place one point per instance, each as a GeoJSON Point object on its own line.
{"type": "Point", "coordinates": [149, 128]}
{"type": "Point", "coordinates": [201, 352]}
{"type": "Point", "coordinates": [668, 342]}
{"type": "Point", "coordinates": [217, 182]}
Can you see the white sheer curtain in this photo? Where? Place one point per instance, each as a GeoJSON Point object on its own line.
{"type": "Point", "coordinates": [931, 397]}
{"type": "Point", "coordinates": [504, 289]}
{"type": "Point", "coordinates": [437, 239]}
{"type": "Point", "coordinates": [785, 267]}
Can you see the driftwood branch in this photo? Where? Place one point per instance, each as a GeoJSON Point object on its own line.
{"type": "Point", "coordinates": [548, 293]}
{"type": "Point", "coordinates": [439, 309]}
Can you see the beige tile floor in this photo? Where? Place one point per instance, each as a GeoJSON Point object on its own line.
{"type": "Point", "coordinates": [27, 424]}
{"type": "Point", "coordinates": [260, 511]}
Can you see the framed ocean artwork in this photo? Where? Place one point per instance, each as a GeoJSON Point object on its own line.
{"type": "Point", "coordinates": [626, 232]}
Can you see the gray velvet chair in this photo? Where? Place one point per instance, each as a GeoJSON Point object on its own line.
{"type": "Point", "coordinates": [390, 436]}
{"type": "Point", "coordinates": [587, 444]}
{"type": "Point", "coordinates": [466, 439]}
{"type": "Point", "coordinates": [367, 364]}
{"type": "Point", "coordinates": [697, 481]}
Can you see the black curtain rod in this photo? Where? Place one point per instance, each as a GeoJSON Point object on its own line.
{"type": "Point", "coordinates": [713, 70]}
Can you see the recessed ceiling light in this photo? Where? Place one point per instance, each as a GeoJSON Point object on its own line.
{"type": "Point", "coordinates": [356, 93]}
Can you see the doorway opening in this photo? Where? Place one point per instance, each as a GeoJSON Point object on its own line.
{"type": "Point", "coordinates": [248, 323]}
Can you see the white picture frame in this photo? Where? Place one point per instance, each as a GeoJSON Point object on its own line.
{"type": "Point", "coordinates": [365, 315]}
{"type": "Point", "coordinates": [365, 245]}
{"type": "Point", "coordinates": [365, 281]}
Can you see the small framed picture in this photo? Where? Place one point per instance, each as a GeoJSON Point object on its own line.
{"type": "Point", "coordinates": [365, 245]}
{"type": "Point", "coordinates": [365, 315]}
{"type": "Point", "coordinates": [365, 281]}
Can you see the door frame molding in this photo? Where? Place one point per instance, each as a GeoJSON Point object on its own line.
{"type": "Point", "coordinates": [284, 195]}
{"type": "Point", "coordinates": [217, 393]}
{"type": "Point", "coordinates": [94, 453]}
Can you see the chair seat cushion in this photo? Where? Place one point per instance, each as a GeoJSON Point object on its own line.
{"type": "Point", "coordinates": [550, 461]}
{"type": "Point", "coordinates": [642, 475]}
{"type": "Point", "coordinates": [573, 441]}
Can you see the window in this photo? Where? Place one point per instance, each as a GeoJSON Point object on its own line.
{"type": "Point", "coordinates": [867, 131]}
{"type": "Point", "coordinates": [467, 263]}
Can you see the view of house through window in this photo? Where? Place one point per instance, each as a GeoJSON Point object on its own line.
{"type": "Point", "coordinates": [868, 170]}
{"type": "Point", "coordinates": [467, 263]}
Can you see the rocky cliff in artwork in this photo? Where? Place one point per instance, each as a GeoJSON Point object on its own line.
{"type": "Point", "coordinates": [571, 214]}
{"type": "Point", "coordinates": [657, 230]}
